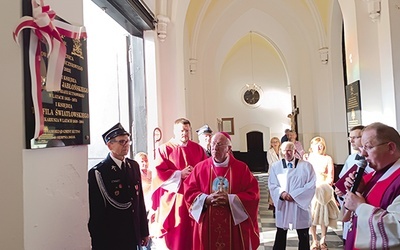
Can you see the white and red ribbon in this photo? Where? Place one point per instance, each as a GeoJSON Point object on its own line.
{"type": "Point", "coordinates": [44, 28]}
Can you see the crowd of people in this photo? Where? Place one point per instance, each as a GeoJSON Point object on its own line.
{"type": "Point", "coordinates": [199, 196]}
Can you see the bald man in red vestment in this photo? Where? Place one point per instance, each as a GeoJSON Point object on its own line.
{"type": "Point", "coordinates": [223, 196]}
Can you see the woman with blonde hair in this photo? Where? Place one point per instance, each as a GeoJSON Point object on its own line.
{"type": "Point", "coordinates": [324, 210]}
{"type": "Point", "coordinates": [273, 151]}
{"type": "Point", "coordinates": [273, 155]}
{"type": "Point", "coordinates": [146, 176]}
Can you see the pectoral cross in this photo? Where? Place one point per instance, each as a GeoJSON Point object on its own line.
{"type": "Point", "coordinates": [221, 184]}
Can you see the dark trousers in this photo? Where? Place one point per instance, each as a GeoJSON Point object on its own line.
{"type": "Point", "coordinates": [281, 235]}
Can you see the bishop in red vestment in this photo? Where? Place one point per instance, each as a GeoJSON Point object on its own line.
{"type": "Point", "coordinates": [223, 196]}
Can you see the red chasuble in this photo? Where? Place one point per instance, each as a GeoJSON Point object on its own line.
{"type": "Point", "coordinates": [216, 228]}
{"type": "Point", "coordinates": [170, 218]}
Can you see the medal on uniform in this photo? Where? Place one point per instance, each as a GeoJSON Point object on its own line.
{"type": "Point", "coordinates": [120, 185]}
{"type": "Point", "coordinates": [137, 189]}
{"type": "Point", "coordinates": [116, 193]}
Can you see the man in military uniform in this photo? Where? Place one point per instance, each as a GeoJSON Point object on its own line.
{"type": "Point", "coordinates": [117, 209]}
{"type": "Point", "coordinates": [204, 133]}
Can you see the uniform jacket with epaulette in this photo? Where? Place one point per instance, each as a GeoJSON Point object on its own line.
{"type": "Point", "coordinates": [117, 211]}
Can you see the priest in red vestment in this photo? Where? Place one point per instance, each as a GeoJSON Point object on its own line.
{"type": "Point", "coordinates": [170, 223]}
{"type": "Point", "coordinates": [375, 217]}
{"type": "Point", "coordinates": [223, 196]}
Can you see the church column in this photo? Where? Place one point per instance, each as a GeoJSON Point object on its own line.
{"type": "Point", "coordinates": [170, 77]}
{"type": "Point", "coordinates": [370, 49]}
{"type": "Point", "coordinates": [390, 37]}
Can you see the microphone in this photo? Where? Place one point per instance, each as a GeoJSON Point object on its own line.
{"type": "Point", "coordinates": [359, 175]}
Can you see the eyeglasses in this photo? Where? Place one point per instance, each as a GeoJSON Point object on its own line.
{"type": "Point", "coordinates": [217, 145]}
{"type": "Point", "coordinates": [122, 142]}
{"type": "Point", "coordinates": [288, 150]}
{"type": "Point", "coordinates": [369, 148]}
{"type": "Point", "coordinates": [350, 138]}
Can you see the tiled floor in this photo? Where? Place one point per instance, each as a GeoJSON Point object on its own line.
{"type": "Point", "coordinates": [266, 223]}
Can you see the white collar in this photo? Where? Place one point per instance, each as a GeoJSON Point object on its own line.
{"type": "Point", "coordinates": [222, 164]}
{"type": "Point", "coordinates": [117, 161]}
{"type": "Point", "coordinates": [179, 142]}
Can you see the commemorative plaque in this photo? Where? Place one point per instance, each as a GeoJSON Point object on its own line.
{"type": "Point", "coordinates": [56, 116]}
{"type": "Point", "coordinates": [353, 104]}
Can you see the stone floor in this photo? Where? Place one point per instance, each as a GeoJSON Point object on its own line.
{"type": "Point", "coordinates": [266, 222]}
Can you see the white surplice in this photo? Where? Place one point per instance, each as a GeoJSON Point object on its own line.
{"type": "Point", "coordinates": [299, 182]}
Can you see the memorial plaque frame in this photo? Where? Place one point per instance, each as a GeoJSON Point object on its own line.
{"type": "Point", "coordinates": [65, 113]}
{"type": "Point", "coordinates": [353, 105]}
{"type": "Point", "coordinates": [228, 125]}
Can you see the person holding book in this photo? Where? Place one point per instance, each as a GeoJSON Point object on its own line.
{"type": "Point", "coordinates": [353, 159]}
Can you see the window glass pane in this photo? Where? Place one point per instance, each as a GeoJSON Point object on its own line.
{"type": "Point", "coordinates": [108, 77]}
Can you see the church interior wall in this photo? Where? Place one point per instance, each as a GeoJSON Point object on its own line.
{"type": "Point", "coordinates": [13, 129]}
{"type": "Point", "coordinates": [368, 43]}
{"type": "Point", "coordinates": [394, 18]}
{"type": "Point", "coordinates": [151, 87]}
{"type": "Point", "coordinates": [269, 74]}
{"type": "Point", "coordinates": [65, 181]}
{"type": "Point", "coordinates": [56, 198]}
{"type": "Point", "coordinates": [214, 44]}
{"type": "Point", "coordinates": [218, 52]}
{"type": "Point", "coordinates": [170, 64]}
{"type": "Point", "coordinates": [389, 40]}
{"type": "Point", "coordinates": [21, 199]}
{"type": "Point", "coordinates": [51, 184]}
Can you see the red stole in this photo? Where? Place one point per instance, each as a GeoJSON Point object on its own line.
{"type": "Point", "coordinates": [374, 195]}
{"type": "Point", "coordinates": [220, 217]}
{"type": "Point", "coordinates": [244, 185]}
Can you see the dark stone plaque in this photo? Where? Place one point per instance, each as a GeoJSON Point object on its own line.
{"type": "Point", "coordinates": [353, 104]}
{"type": "Point", "coordinates": [65, 113]}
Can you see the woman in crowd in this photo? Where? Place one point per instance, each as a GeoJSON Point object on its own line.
{"type": "Point", "coordinates": [323, 208]}
{"type": "Point", "coordinates": [145, 172]}
{"type": "Point", "coordinates": [273, 155]}
{"type": "Point", "coordinates": [273, 151]}
{"type": "Point", "coordinates": [297, 145]}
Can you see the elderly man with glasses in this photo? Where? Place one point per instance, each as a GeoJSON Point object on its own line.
{"type": "Point", "coordinates": [117, 209]}
{"type": "Point", "coordinates": [223, 195]}
{"type": "Point", "coordinates": [292, 185]}
{"type": "Point", "coordinates": [375, 217]}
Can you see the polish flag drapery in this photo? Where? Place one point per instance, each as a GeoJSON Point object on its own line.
{"type": "Point", "coordinates": [45, 29]}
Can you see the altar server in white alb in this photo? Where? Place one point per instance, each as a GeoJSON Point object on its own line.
{"type": "Point", "coordinates": [292, 185]}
